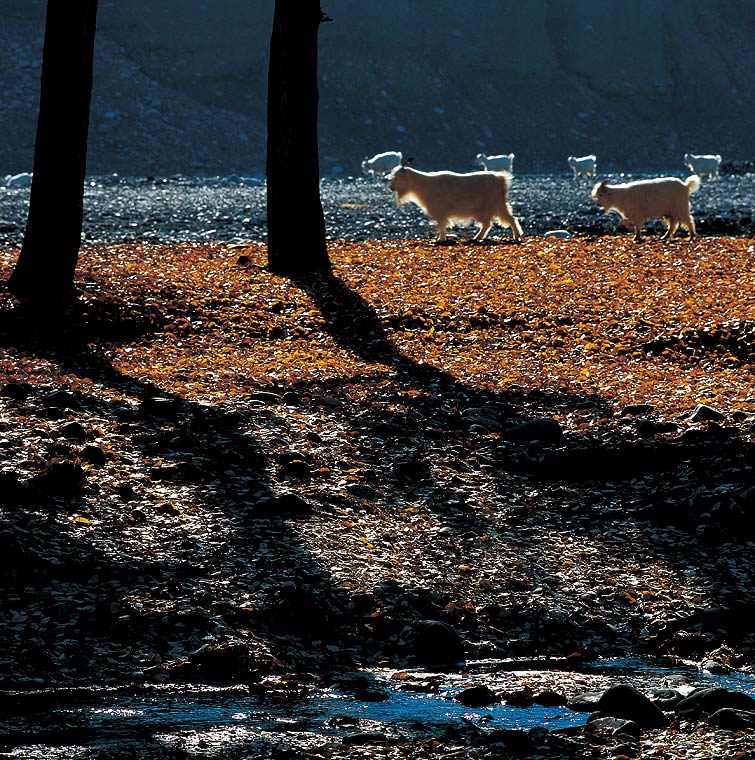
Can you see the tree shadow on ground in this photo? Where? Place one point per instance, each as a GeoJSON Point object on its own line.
{"type": "Point", "coordinates": [280, 609]}
{"type": "Point", "coordinates": [539, 452]}
{"type": "Point", "coordinates": [303, 615]}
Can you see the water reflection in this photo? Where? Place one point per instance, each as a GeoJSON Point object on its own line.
{"type": "Point", "coordinates": [188, 715]}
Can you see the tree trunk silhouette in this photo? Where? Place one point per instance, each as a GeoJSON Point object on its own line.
{"type": "Point", "coordinates": [44, 272]}
{"type": "Point", "coordinates": [295, 221]}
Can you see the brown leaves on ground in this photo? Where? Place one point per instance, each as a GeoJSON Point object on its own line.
{"type": "Point", "coordinates": [666, 325]}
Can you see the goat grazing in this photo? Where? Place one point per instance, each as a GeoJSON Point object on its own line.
{"type": "Point", "coordinates": [496, 163]}
{"type": "Point", "coordinates": [703, 165]}
{"type": "Point", "coordinates": [382, 163]}
{"type": "Point", "coordinates": [448, 196]}
{"type": "Point", "coordinates": [665, 197]}
{"type": "Point", "coordinates": [582, 167]}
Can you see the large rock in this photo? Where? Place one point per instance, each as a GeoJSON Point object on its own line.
{"type": "Point", "coordinates": [733, 720]}
{"type": "Point", "coordinates": [710, 700]}
{"type": "Point", "coordinates": [624, 701]}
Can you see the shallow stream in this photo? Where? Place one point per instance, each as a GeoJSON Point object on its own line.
{"type": "Point", "coordinates": [207, 720]}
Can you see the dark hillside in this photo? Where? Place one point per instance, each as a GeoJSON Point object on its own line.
{"type": "Point", "coordinates": [180, 86]}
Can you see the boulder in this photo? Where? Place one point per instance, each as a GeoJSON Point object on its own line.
{"type": "Point", "coordinates": [477, 696]}
{"type": "Point", "coordinates": [624, 701]}
{"type": "Point", "coordinates": [710, 700]}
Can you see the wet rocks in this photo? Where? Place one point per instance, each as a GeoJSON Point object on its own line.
{"type": "Point", "coordinates": [226, 663]}
{"type": "Point", "coordinates": [732, 719]}
{"type": "Point", "coordinates": [61, 477]}
{"type": "Point", "coordinates": [711, 700]}
{"type": "Point", "coordinates": [705, 413]}
{"type": "Point", "coordinates": [617, 727]}
{"type": "Point", "coordinates": [18, 391]}
{"type": "Point", "coordinates": [623, 701]}
{"type": "Point", "coordinates": [477, 696]}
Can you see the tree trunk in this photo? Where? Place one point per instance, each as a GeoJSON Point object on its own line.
{"type": "Point", "coordinates": [45, 270]}
{"type": "Point", "coordinates": [295, 222]}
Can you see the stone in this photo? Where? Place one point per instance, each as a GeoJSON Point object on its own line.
{"type": "Point", "coordinates": [514, 740]}
{"type": "Point", "coordinates": [713, 699]}
{"type": "Point", "coordinates": [12, 490]}
{"type": "Point", "coordinates": [731, 719]}
{"type": "Point", "coordinates": [624, 701]}
{"type": "Point", "coordinates": [636, 410]}
{"type": "Point", "coordinates": [483, 417]}
{"type": "Point", "coordinates": [93, 454]}
{"type": "Point", "coordinates": [364, 737]}
{"type": "Point", "coordinates": [549, 698]}
{"type": "Point", "coordinates": [586, 702]}
{"type": "Point", "coordinates": [666, 699]}
{"type": "Point", "coordinates": [615, 727]}
{"type": "Point", "coordinates": [283, 505]}
{"type": "Point", "coordinates": [477, 696]}
{"type": "Point", "coordinates": [73, 430]}
{"type": "Point", "coordinates": [61, 478]}
{"type": "Point", "coordinates": [16, 391]}
{"type": "Point", "coordinates": [157, 406]}
{"type": "Point", "coordinates": [60, 400]}
{"type": "Point", "coordinates": [705, 413]}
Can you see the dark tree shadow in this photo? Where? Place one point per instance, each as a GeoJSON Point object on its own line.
{"type": "Point", "coordinates": [308, 621]}
{"type": "Point", "coordinates": [354, 325]}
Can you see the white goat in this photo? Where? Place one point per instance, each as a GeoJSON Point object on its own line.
{"type": "Point", "coordinates": [448, 196]}
{"type": "Point", "coordinates": [703, 165]}
{"type": "Point", "coordinates": [502, 163]}
{"type": "Point", "coordinates": [382, 163]}
{"type": "Point", "coordinates": [665, 197]}
{"type": "Point", "coordinates": [583, 166]}
{"type": "Point", "coordinates": [18, 180]}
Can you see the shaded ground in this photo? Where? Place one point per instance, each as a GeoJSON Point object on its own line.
{"type": "Point", "coordinates": [214, 474]}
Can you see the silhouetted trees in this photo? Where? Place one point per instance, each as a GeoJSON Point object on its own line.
{"type": "Point", "coordinates": [45, 269]}
{"type": "Point", "coordinates": [295, 222]}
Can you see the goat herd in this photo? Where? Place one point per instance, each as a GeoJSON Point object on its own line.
{"type": "Point", "coordinates": [482, 196]}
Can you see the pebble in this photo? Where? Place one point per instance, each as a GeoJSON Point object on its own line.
{"type": "Point", "coordinates": [180, 208]}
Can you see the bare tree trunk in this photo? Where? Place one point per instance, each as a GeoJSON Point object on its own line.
{"type": "Point", "coordinates": [44, 273]}
{"type": "Point", "coordinates": [295, 221]}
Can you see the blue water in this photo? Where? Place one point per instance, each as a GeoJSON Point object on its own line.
{"type": "Point", "coordinates": [195, 710]}
{"type": "Point", "coordinates": [231, 714]}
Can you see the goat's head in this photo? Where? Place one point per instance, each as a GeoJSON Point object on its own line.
{"type": "Point", "coordinates": [601, 190]}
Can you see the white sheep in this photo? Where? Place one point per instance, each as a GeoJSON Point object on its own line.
{"type": "Point", "coordinates": [18, 180]}
{"type": "Point", "coordinates": [583, 166]}
{"type": "Point", "coordinates": [448, 196]}
{"type": "Point", "coordinates": [501, 163]}
{"type": "Point", "coordinates": [382, 163]}
{"type": "Point", "coordinates": [664, 197]}
{"type": "Point", "coordinates": [707, 165]}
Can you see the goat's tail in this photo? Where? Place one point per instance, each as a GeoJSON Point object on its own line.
{"type": "Point", "coordinates": [506, 177]}
{"type": "Point", "coordinates": [506, 214]}
{"type": "Point", "coordinates": [692, 183]}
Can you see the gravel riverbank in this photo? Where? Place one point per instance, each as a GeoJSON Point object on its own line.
{"type": "Point", "coordinates": [232, 209]}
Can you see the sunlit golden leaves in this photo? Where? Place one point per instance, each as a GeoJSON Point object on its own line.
{"type": "Point", "coordinates": [668, 324]}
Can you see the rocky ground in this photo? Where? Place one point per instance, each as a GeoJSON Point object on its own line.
{"type": "Point", "coordinates": [166, 209]}
{"type": "Point", "coordinates": [213, 475]}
